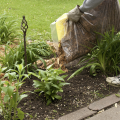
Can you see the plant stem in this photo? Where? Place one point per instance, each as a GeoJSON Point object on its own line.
{"type": "Point", "coordinates": [15, 108]}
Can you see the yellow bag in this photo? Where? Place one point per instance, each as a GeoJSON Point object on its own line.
{"type": "Point", "coordinates": [59, 28]}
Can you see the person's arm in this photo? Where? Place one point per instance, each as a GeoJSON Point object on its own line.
{"type": "Point", "coordinates": [89, 4]}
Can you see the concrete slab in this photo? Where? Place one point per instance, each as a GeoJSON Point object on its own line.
{"type": "Point", "coordinates": [78, 115]}
{"type": "Point", "coordinates": [103, 103]}
{"type": "Point", "coordinates": [110, 114]}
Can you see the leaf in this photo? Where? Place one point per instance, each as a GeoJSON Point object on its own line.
{"type": "Point", "coordinates": [20, 67]}
{"type": "Point", "coordinates": [4, 89]}
{"type": "Point", "coordinates": [117, 95]}
{"type": "Point", "coordinates": [37, 83]}
{"type": "Point", "coordinates": [37, 90]}
{"type": "Point", "coordinates": [11, 75]}
{"type": "Point", "coordinates": [48, 92]}
{"type": "Point", "coordinates": [20, 114]}
{"type": "Point", "coordinates": [64, 76]}
{"type": "Point", "coordinates": [6, 98]}
{"type": "Point", "coordinates": [42, 74]}
{"type": "Point", "coordinates": [15, 96]}
{"type": "Point", "coordinates": [10, 90]}
{"type": "Point", "coordinates": [34, 74]}
{"type": "Point", "coordinates": [47, 86]}
{"type": "Point", "coordinates": [19, 84]}
{"type": "Point", "coordinates": [54, 85]}
{"type": "Point", "coordinates": [22, 96]}
{"type": "Point", "coordinates": [60, 90]}
{"type": "Point", "coordinates": [3, 69]}
{"type": "Point", "coordinates": [49, 67]}
{"type": "Point", "coordinates": [62, 84]}
{"type": "Point", "coordinates": [59, 78]}
{"type": "Point", "coordinates": [49, 101]}
{"type": "Point", "coordinates": [58, 97]}
{"type": "Point", "coordinates": [79, 70]}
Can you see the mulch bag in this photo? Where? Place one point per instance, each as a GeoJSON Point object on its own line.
{"type": "Point", "coordinates": [80, 37]}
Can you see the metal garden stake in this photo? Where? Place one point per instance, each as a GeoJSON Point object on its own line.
{"type": "Point", "coordinates": [24, 28]}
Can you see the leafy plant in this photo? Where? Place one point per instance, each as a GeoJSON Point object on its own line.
{"type": "Point", "coordinates": [38, 50]}
{"type": "Point", "coordinates": [7, 29]}
{"type": "Point", "coordinates": [11, 94]}
{"type": "Point", "coordinates": [105, 56]}
{"type": "Point", "coordinates": [15, 55]}
{"type": "Point", "coordinates": [12, 55]}
{"type": "Point", "coordinates": [50, 83]}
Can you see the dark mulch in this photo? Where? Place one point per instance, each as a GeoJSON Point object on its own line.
{"type": "Point", "coordinates": [83, 90]}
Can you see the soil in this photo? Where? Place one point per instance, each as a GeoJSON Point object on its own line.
{"type": "Point", "coordinates": [83, 90]}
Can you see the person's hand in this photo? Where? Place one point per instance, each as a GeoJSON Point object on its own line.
{"type": "Point", "coordinates": [75, 14]}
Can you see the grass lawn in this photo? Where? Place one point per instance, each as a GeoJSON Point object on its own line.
{"type": "Point", "coordinates": [39, 13]}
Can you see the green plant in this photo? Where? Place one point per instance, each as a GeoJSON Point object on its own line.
{"type": "Point", "coordinates": [12, 56]}
{"type": "Point", "coordinates": [96, 94]}
{"type": "Point", "coordinates": [50, 83]}
{"type": "Point", "coordinates": [38, 50]}
{"type": "Point", "coordinates": [8, 29]}
{"type": "Point", "coordinates": [12, 97]}
{"type": "Point", "coordinates": [105, 56]}
{"type": "Point", "coordinates": [35, 51]}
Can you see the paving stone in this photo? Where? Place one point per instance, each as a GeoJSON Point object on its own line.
{"type": "Point", "coordinates": [110, 114]}
{"type": "Point", "coordinates": [78, 115]}
{"type": "Point", "coordinates": [103, 103]}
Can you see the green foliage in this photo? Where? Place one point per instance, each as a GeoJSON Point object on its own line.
{"type": "Point", "coordinates": [35, 51]}
{"type": "Point", "coordinates": [11, 94]}
{"type": "Point", "coordinates": [12, 56]}
{"type": "Point", "coordinates": [2, 69]}
{"type": "Point", "coordinates": [105, 56]}
{"type": "Point", "coordinates": [8, 29]}
{"type": "Point", "coordinates": [38, 50]}
{"type": "Point", "coordinates": [50, 83]}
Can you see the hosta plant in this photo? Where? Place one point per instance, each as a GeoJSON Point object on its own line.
{"type": "Point", "coordinates": [50, 83]}
{"type": "Point", "coordinates": [105, 56]}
